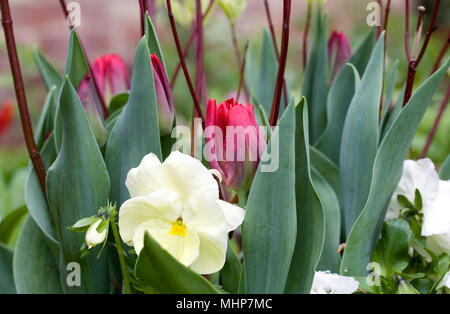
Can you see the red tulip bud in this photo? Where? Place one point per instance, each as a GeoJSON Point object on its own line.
{"type": "Point", "coordinates": [6, 116]}
{"type": "Point", "coordinates": [164, 98]}
{"type": "Point", "coordinates": [234, 142]}
{"type": "Point", "coordinates": [339, 51]}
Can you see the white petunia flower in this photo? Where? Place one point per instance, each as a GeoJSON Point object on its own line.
{"type": "Point", "coordinates": [446, 280]}
{"type": "Point", "coordinates": [177, 202]}
{"type": "Point", "coordinates": [327, 283]}
{"type": "Point", "coordinates": [435, 195]}
{"type": "Point", "coordinates": [93, 237]}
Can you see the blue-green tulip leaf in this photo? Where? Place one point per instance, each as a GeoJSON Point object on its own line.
{"type": "Point", "coordinates": [49, 74]}
{"type": "Point", "coordinates": [6, 271]}
{"type": "Point", "coordinates": [444, 172]}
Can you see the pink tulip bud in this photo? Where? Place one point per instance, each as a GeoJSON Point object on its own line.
{"type": "Point", "coordinates": [111, 75]}
{"type": "Point", "coordinates": [6, 116]}
{"type": "Point", "coordinates": [234, 142]}
{"type": "Point", "coordinates": [339, 51]}
{"type": "Point", "coordinates": [164, 98]}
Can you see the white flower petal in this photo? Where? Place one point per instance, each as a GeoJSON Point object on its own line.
{"type": "Point", "coordinates": [163, 205]}
{"type": "Point", "coordinates": [436, 215]}
{"type": "Point", "coordinates": [190, 177]}
{"type": "Point", "coordinates": [234, 215]}
{"type": "Point", "coordinates": [204, 214]}
{"type": "Point", "coordinates": [146, 178]}
{"type": "Point", "coordinates": [93, 237]}
{"type": "Point", "coordinates": [446, 280]}
{"type": "Point", "coordinates": [328, 283]}
{"type": "Point", "coordinates": [184, 249]}
{"type": "Point", "coordinates": [212, 253]}
{"type": "Point", "coordinates": [439, 243]}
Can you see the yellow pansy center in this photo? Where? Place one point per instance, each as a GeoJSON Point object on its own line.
{"type": "Point", "coordinates": [178, 228]}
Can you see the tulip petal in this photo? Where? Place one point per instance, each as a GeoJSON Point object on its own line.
{"type": "Point", "coordinates": [162, 205]}
{"type": "Point", "coordinates": [189, 177]}
{"type": "Point", "coordinates": [184, 249]}
{"type": "Point", "coordinates": [234, 215]}
{"type": "Point", "coordinates": [436, 216]}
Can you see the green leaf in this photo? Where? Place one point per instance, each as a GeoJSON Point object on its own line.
{"type": "Point", "coordinates": [269, 227]}
{"type": "Point", "coordinates": [391, 252]}
{"type": "Point", "coordinates": [444, 173]}
{"type": "Point", "coordinates": [136, 132]}
{"type": "Point", "coordinates": [360, 138]}
{"type": "Point", "coordinates": [157, 269]}
{"type": "Point", "coordinates": [39, 274]}
{"type": "Point", "coordinates": [330, 258]}
{"type": "Point", "coordinates": [10, 225]}
{"type": "Point", "coordinates": [34, 198]}
{"type": "Point", "coordinates": [49, 74]}
{"type": "Point", "coordinates": [47, 117]}
{"type": "Point", "coordinates": [83, 224]}
{"type": "Point", "coordinates": [339, 98]}
{"type": "Point", "coordinates": [315, 82]}
{"type": "Point", "coordinates": [418, 200]}
{"type": "Point", "coordinates": [310, 216]}
{"type": "Point", "coordinates": [390, 93]}
{"type": "Point", "coordinates": [153, 41]}
{"type": "Point", "coordinates": [404, 287]}
{"type": "Point", "coordinates": [117, 103]}
{"type": "Point", "coordinates": [392, 115]}
{"type": "Point", "coordinates": [6, 271]}
{"type": "Point", "coordinates": [387, 172]}
{"type": "Point", "coordinates": [77, 186]}
{"type": "Point", "coordinates": [231, 271]}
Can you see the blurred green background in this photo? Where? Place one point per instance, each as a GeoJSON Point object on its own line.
{"type": "Point", "coordinates": [113, 26]}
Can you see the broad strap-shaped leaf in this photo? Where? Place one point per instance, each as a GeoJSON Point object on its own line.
{"type": "Point", "coordinates": [444, 172]}
{"type": "Point", "coordinates": [360, 138]}
{"type": "Point", "coordinates": [315, 82]}
{"type": "Point", "coordinates": [330, 258]}
{"type": "Point", "coordinates": [387, 171]}
{"type": "Point", "coordinates": [47, 118]}
{"type": "Point", "coordinates": [6, 271]}
{"type": "Point", "coordinates": [391, 252]}
{"type": "Point", "coordinates": [157, 269]}
{"type": "Point", "coordinates": [11, 224]}
{"type": "Point", "coordinates": [152, 40]}
{"type": "Point", "coordinates": [392, 114]}
{"type": "Point", "coordinates": [269, 227]}
{"type": "Point", "coordinates": [310, 215]}
{"type": "Point", "coordinates": [390, 93]}
{"type": "Point", "coordinates": [77, 186]}
{"type": "Point", "coordinates": [49, 74]}
{"type": "Point", "coordinates": [136, 132]}
{"type": "Point", "coordinates": [39, 274]}
{"type": "Point", "coordinates": [34, 198]}
{"type": "Point", "coordinates": [339, 98]}
{"type": "Point", "coordinates": [231, 271]}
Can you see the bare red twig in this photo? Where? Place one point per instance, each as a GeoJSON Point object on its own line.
{"type": "Point", "coordinates": [20, 95]}
{"type": "Point", "coordinates": [413, 62]}
{"type": "Point", "coordinates": [94, 79]}
{"type": "Point", "coordinates": [183, 63]}
{"type": "Point", "coordinates": [188, 45]}
{"type": "Point", "coordinates": [241, 76]}
{"type": "Point", "coordinates": [379, 27]}
{"type": "Point", "coordinates": [283, 57]}
{"type": "Point", "coordinates": [305, 34]}
{"type": "Point", "coordinates": [142, 9]}
{"type": "Point", "coordinates": [436, 123]}
{"type": "Point", "coordinates": [441, 54]}
{"type": "Point", "coordinates": [275, 45]}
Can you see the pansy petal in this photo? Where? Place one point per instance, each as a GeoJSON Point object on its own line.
{"type": "Point", "coordinates": [234, 215]}
{"type": "Point", "coordinates": [204, 214]}
{"type": "Point", "coordinates": [327, 283]}
{"type": "Point", "coordinates": [158, 205]}
{"type": "Point", "coordinates": [190, 177]}
{"type": "Point", "coordinates": [146, 178]}
{"type": "Point", "coordinates": [436, 215]}
{"type": "Point", "coordinates": [211, 257]}
{"type": "Point", "coordinates": [183, 248]}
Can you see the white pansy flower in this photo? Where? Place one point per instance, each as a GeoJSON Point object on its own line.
{"type": "Point", "coordinates": [435, 193]}
{"type": "Point", "coordinates": [446, 281]}
{"type": "Point", "coordinates": [93, 237]}
{"type": "Point", "coordinates": [327, 283]}
{"type": "Point", "coordinates": [177, 202]}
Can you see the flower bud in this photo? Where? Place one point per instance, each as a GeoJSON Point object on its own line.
{"type": "Point", "coordinates": [111, 75]}
{"type": "Point", "coordinates": [234, 142]}
{"type": "Point", "coordinates": [233, 8]}
{"type": "Point", "coordinates": [164, 98]}
{"type": "Point", "coordinates": [6, 115]}
{"type": "Point", "coordinates": [339, 51]}
{"type": "Point", "coordinates": [93, 237]}
{"type": "Point", "coordinates": [92, 107]}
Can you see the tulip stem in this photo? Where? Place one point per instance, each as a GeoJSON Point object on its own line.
{"type": "Point", "coordinates": [242, 198]}
{"type": "Point", "coordinates": [21, 96]}
{"type": "Point", "coordinates": [94, 79]}
{"type": "Point", "coordinates": [242, 74]}
{"type": "Point", "coordinates": [188, 45]}
{"type": "Point", "coordinates": [305, 34]}
{"type": "Point", "coordinates": [414, 61]}
{"type": "Point", "coordinates": [183, 63]}
{"type": "Point", "coordinates": [283, 57]}
{"type": "Point", "coordinates": [436, 123]}
{"type": "Point", "coordinates": [123, 266]}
